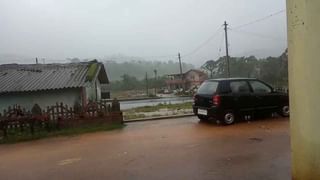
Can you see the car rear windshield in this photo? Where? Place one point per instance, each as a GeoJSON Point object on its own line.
{"type": "Point", "coordinates": [208, 87]}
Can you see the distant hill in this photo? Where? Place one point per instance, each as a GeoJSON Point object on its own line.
{"type": "Point", "coordinates": [13, 58]}
{"type": "Point", "coordinates": [116, 65]}
{"type": "Point", "coordinates": [138, 68]}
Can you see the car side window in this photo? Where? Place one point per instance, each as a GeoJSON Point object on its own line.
{"type": "Point", "coordinates": [239, 87]}
{"type": "Point", "coordinates": [259, 87]}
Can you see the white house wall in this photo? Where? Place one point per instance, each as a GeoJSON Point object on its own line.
{"type": "Point", "coordinates": [43, 98]}
{"type": "Point", "coordinates": [92, 92]}
{"type": "Point", "coordinates": [98, 90]}
{"type": "Point", "coordinates": [192, 76]}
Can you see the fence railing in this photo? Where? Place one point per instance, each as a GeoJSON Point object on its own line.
{"type": "Point", "coordinates": [17, 118]}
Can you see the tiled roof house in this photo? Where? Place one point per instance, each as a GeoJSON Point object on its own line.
{"type": "Point", "coordinates": [46, 84]}
{"type": "Point", "coordinates": [190, 79]}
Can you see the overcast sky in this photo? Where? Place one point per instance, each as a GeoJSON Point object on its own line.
{"type": "Point", "coordinates": [59, 29]}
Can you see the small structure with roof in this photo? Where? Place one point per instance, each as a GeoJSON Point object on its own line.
{"type": "Point", "coordinates": [188, 80]}
{"type": "Point", "coordinates": [46, 84]}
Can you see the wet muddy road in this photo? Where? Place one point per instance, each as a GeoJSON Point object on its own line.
{"type": "Point", "coordinates": [167, 149]}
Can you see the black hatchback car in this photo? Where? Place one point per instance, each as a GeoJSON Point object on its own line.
{"type": "Point", "coordinates": [227, 99]}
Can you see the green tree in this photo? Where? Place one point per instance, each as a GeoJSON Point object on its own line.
{"type": "Point", "coordinates": [273, 70]}
{"type": "Point", "coordinates": [129, 82]}
{"type": "Point", "coordinates": [209, 66]}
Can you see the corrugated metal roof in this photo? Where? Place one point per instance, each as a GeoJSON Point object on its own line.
{"type": "Point", "coordinates": [34, 77]}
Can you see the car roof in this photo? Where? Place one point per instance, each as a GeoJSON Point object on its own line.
{"type": "Point", "coordinates": [231, 79]}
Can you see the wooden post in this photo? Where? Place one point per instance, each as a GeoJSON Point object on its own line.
{"type": "Point", "coordinates": [71, 113]}
{"type": "Point", "coordinates": [62, 110]}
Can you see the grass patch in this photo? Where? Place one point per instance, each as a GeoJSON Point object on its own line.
{"type": "Point", "coordinates": [133, 116]}
{"type": "Point", "coordinates": [156, 115]}
{"type": "Point", "coordinates": [14, 137]}
{"type": "Point", "coordinates": [186, 105]}
{"type": "Point", "coordinates": [136, 113]}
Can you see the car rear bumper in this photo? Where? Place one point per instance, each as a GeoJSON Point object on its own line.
{"type": "Point", "coordinates": [212, 112]}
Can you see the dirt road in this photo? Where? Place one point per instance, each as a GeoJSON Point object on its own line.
{"type": "Point", "coordinates": [167, 149]}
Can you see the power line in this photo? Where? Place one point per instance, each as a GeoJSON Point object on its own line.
{"type": "Point", "coordinates": [219, 49]}
{"type": "Point", "coordinates": [220, 46]}
{"type": "Point", "coordinates": [227, 48]}
{"type": "Point", "coordinates": [204, 43]}
{"type": "Point", "coordinates": [258, 35]}
{"type": "Point", "coordinates": [252, 52]}
{"type": "Point", "coordinates": [260, 19]}
{"type": "Point", "coordinates": [180, 66]}
{"type": "Point", "coordinates": [217, 32]}
{"type": "Point", "coordinates": [236, 29]}
{"type": "Point", "coordinates": [191, 52]}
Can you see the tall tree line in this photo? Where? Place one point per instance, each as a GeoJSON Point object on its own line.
{"type": "Point", "coordinates": [273, 70]}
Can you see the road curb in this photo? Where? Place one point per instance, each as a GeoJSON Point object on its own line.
{"type": "Point", "coordinates": [147, 98]}
{"type": "Point", "coordinates": [157, 118]}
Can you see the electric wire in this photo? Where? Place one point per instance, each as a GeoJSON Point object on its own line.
{"type": "Point", "coordinates": [217, 32]}
{"type": "Point", "coordinates": [260, 19]}
{"type": "Point", "coordinates": [258, 35]}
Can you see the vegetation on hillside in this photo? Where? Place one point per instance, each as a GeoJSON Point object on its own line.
{"type": "Point", "coordinates": [273, 70]}
{"type": "Point", "coordinates": [130, 72]}
{"type": "Point", "coordinates": [129, 82]}
{"type": "Point", "coordinates": [139, 68]}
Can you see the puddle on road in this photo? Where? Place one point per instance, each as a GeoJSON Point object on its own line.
{"type": "Point", "coordinates": [68, 161]}
{"type": "Point", "coordinates": [256, 139]}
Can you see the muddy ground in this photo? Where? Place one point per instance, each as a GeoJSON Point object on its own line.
{"type": "Point", "coordinates": [167, 149]}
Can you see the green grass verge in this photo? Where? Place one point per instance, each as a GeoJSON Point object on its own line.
{"type": "Point", "coordinates": [186, 105]}
{"type": "Point", "coordinates": [15, 137]}
{"type": "Point", "coordinates": [136, 113]}
{"type": "Point", "coordinates": [133, 116]}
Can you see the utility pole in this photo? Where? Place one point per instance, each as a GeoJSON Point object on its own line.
{"type": "Point", "coordinates": [155, 82]}
{"type": "Point", "coordinates": [180, 68]}
{"type": "Point", "coordinates": [227, 46]}
{"type": "Point", "coordinates": [147, 85]}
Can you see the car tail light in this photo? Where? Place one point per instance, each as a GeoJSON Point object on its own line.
{"type": "Point", "coordinates": [216, 100]}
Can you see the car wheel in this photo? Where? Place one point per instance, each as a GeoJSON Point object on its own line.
{"type": "Point", "coordinates": [284, 111]}
{"type": "Point", "coordinates": [203, 118]}
{"type": "Point", "coordinates": [229, 118]}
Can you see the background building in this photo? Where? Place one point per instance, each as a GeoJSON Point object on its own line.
{"type": "Point", "coordinates": [188, 80]}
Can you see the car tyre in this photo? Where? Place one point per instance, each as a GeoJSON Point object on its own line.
{"type": "Point", "coordinates": [284, 111]}
{"type": "Point", "coordinates": [229, 118]}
